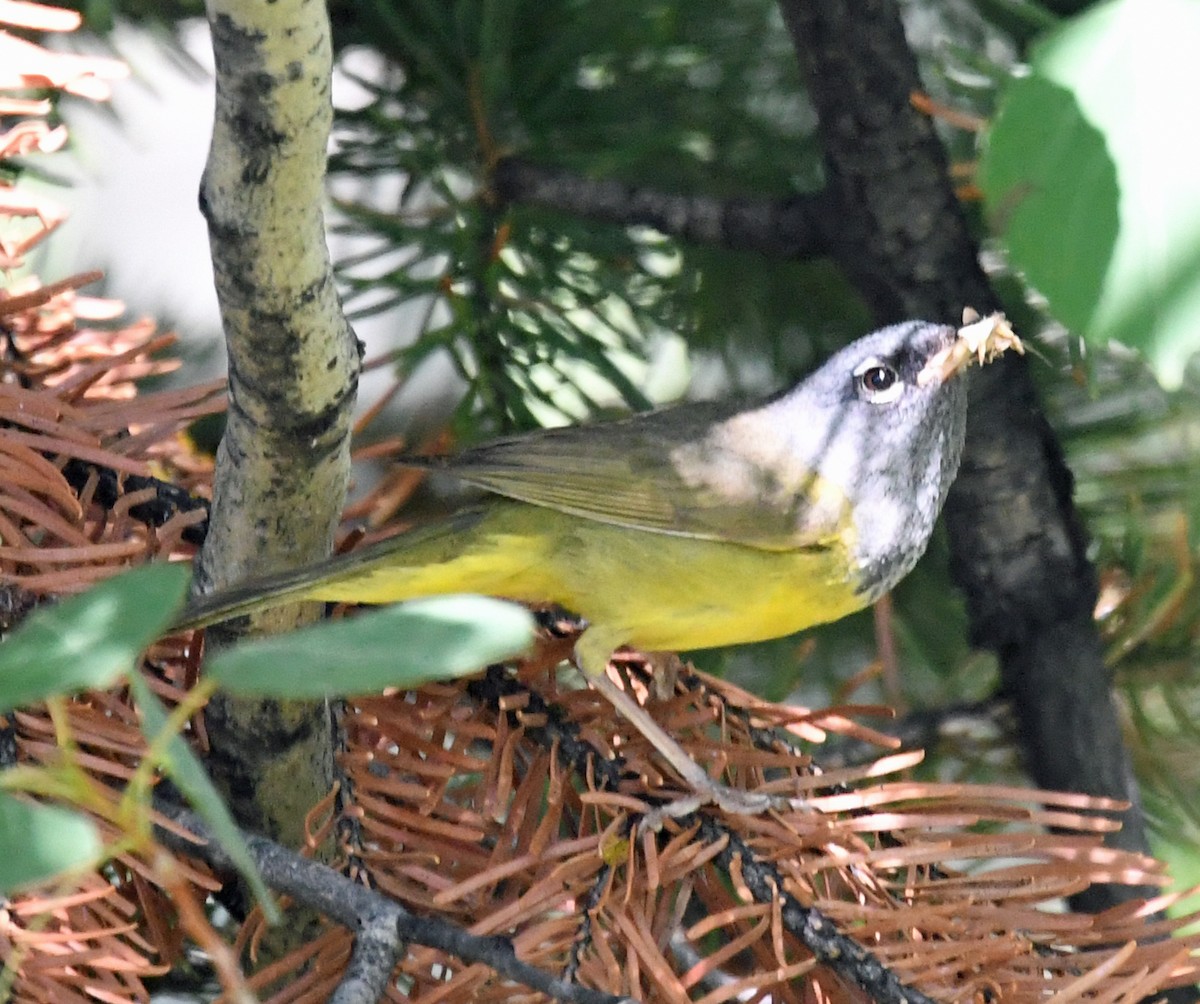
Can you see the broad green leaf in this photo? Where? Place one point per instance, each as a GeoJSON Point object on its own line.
{"type": "Point", "coordinates": [1052, 193]}
{"type": "Point", "coordinates": [185, 769]}
{"type": "Point", "coordinates": [42, 841]}
{"type": "Point", "coordinates": [1087, 183]}
{"type": "Point", "coordinates": [400, 646]}
{"type": "Point", "coordinates": [90, 640]}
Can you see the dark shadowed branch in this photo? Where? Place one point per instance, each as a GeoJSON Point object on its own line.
{"type": "Point", "coordinates": [1019, 549]}
{"type": "Point", "coordinates": [793, 227]}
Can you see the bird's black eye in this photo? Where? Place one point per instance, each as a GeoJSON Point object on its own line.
{"type": "Point", "coordinates": [878, 379]}
{"type": "Point", "coordinates": [878, 382]}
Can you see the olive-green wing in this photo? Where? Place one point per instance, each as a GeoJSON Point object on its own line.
{"type": "Point", "coordinates": [665, 472]}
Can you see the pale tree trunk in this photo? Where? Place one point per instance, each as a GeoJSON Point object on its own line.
{"type": "Point", "coordinates": [283, 465]}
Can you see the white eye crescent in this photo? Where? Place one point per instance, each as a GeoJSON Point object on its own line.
{"type": "Point", "coordinates": [877, 382]}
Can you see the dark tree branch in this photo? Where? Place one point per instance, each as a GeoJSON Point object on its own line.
{"type": "Point", "coordinates": [903, 239]}
{"type": "Point", "coordinates": [818, 933]}
{"type": "Point", "coordinates": [795, 227]}
{"type": "Point", "coordinates": [169, 499]}
{"type": "Point", "coordinates": [1019, 548]}
{"type": "Point", "coordinates": [813, 929]}
{"type": "Point", "coordinates": [382, 926]}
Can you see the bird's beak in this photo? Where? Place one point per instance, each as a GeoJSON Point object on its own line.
{"type": "Point", "coordinates": [980, 338]}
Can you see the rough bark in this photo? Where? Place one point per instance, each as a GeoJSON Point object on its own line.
{"type": "Point", "coordinates": [1019, 547]}
{"type": "Point", "coordinates": [283, 465]}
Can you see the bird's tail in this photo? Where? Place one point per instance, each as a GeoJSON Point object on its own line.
{"type": "Point", "coordinates": [341, 577]}
{"type": "Point", "coordinates": [252, 597]}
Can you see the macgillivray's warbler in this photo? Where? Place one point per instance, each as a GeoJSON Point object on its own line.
{"type": "Point", "coordinates": [692, 526]}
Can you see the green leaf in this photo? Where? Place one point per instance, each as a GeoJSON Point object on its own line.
{"type": "Point", "coordinates": [400, 646]}
{"type": "Point", "coordinates": [1052, 191]}
{"type": "Point", "coordinates": [1085, 179]}
{"type": "Point", "coordinates": [92, 639]}
{"type": "Point", "coordinates": [185, 769]}
{"type": "Point", "coordinates": [42, 841]}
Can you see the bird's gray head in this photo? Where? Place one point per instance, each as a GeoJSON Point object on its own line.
{"type": "Point", "coordinates": [891, 443]}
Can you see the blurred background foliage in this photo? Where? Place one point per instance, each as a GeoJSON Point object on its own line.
{"type": "Point", "coordinates": [548, 317]}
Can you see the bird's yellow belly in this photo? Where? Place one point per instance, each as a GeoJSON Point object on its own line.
{"type": "Point", "coordinates": [649, 590]}
{"type": "Point", "coordinates": [663, 592]}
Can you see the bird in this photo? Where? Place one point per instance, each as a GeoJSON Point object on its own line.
{"type": "Point", "coordinates": [702, 524]}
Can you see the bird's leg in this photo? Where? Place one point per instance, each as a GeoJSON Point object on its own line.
{"type": "Point", "coordinates": [705, 789]}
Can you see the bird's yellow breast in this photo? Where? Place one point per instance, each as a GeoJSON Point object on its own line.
{"type": "Point", "coordinates": [653, 591]}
